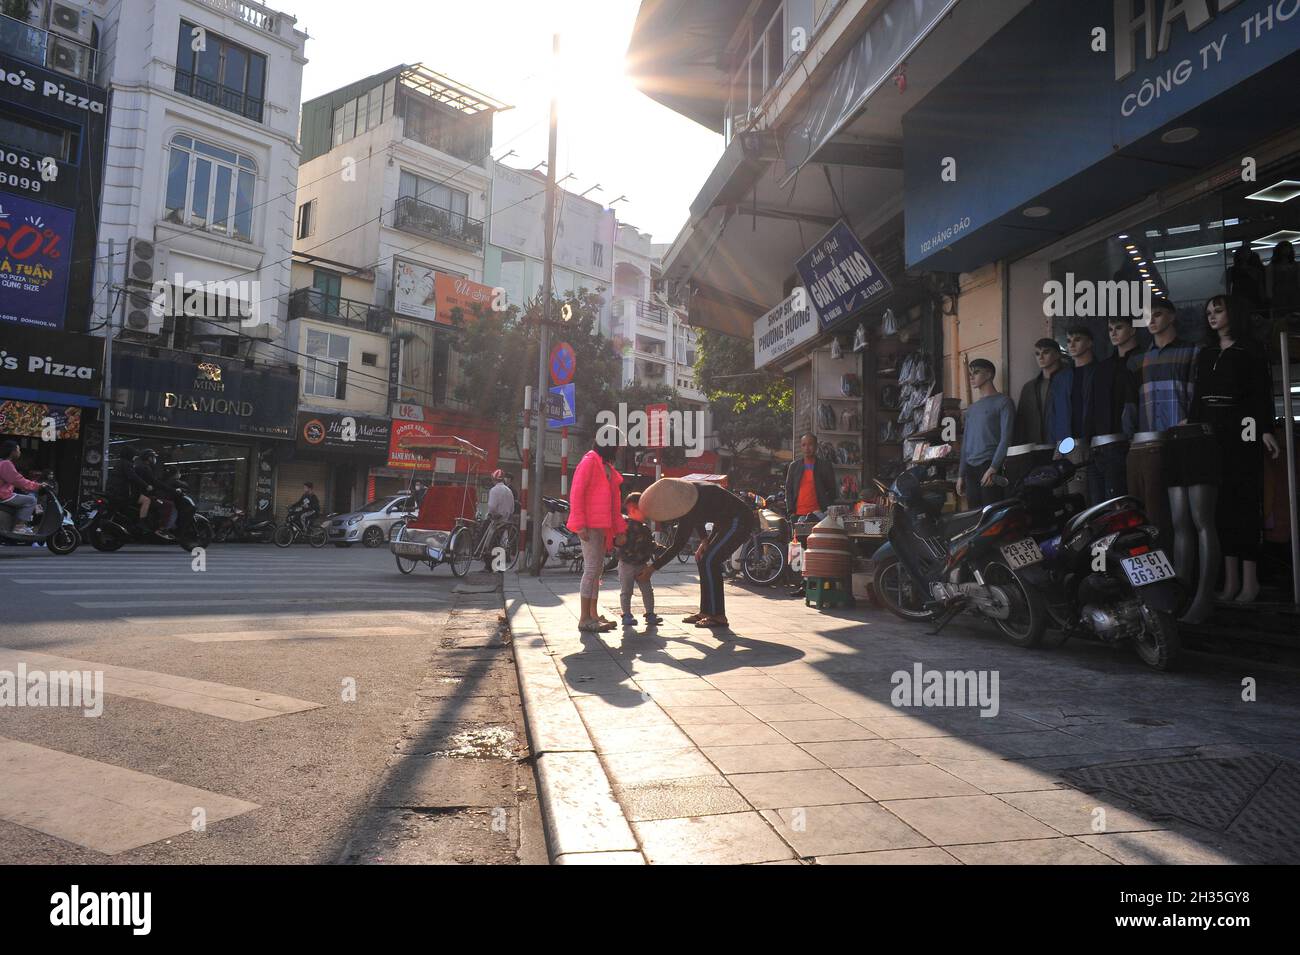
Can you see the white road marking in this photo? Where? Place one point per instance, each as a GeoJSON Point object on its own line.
{"type": "Point", "coordinates": [98, 805]}
{"type": "Point", "coordinates": [239, 601]}
{"type": "Point", "coordinates": [198, 696]}
{"type": "Point", "coordinates": [299, 633]}
{"type": "Point", "coordinates": [198, 585]}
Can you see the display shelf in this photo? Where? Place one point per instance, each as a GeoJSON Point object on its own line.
{"type": "Point", "coordinates": [838, 398]}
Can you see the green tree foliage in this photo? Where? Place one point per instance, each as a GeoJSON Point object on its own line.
{"type": "Point", "coordinates": [750, 408]}
{"type": "Point", "coordinates": [498, 358]}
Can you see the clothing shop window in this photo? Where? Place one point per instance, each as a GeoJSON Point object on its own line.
{"type": "Point", "coordinates": [210, 188]}
{"type": "Point", "coordinates": [321, 369]}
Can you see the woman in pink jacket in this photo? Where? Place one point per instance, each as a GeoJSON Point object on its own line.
{"type": "Point", "coordinates": [11, 482]}
{"type": "Point", "coordinates": [596, 516]}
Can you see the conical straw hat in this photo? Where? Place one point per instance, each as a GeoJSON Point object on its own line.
{"type": "Point", "coordinates": [668, 499]}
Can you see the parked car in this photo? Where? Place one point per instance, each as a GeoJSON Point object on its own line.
{"type": "Point", "coordinates": [371, 524]}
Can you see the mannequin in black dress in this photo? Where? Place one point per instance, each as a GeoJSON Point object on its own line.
{"type": "Point", "coordinates": [1233, 392]}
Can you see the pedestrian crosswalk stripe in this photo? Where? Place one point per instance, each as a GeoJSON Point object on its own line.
{"type": "Point", "coordinates": [201, 585]}
{"type": "Point", "coordinates": [361, 618]}
{"type": "Point", "coordinates": [198, 696]}
{"type": "Point", "coordinates": [98, 805]}
{"type": "Point", "coordinates": [236, 600]}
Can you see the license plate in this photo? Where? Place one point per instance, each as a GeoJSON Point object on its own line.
{"type": "Point", "coordinates": [1022, 553]}
{"type": "Point", "coordinates": [435, 553]}
{"type": "Point", "coordinates": [1147, 568]}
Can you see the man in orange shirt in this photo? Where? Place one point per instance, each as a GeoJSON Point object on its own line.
{"type": "Point", "coordinates": [810, 482]}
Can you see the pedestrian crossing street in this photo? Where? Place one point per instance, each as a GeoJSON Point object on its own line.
{"type": "Point", "coordinates": [247, 596]}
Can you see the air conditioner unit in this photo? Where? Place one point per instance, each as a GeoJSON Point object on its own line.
{"type": "Point", "coordinates": [141, 315]}
{"type": "Point", "coordinates": [71, 59]}
{"type": "Point", "coordinates": [70, 20]}
{"type": "Point", "coordinates": [145, 263]}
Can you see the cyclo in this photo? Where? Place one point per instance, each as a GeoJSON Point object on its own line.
{"type": "Point", "coordinates": [446, 530]}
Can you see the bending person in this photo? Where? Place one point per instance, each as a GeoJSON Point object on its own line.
{"type": "Point", "coordinates": [692, 506]}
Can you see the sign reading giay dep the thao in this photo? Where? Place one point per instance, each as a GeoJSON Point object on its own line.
{"type": "Point", "coordinates": [839, 275]}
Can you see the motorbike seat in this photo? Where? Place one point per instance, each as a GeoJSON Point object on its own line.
{"type": "Point", "coordinates": [955, 525]}
{"type": "Point", "coordinates": [10, 505]}
{"type": "Point", "coordinates": [1084, 516]}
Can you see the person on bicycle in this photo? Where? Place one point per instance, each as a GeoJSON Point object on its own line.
{"type": "Point", "coordinates": [306, 507]}
{"type": "Point", "coordinates": [501, 500]}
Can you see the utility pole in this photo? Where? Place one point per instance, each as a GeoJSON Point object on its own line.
{"type": "Point", "coordinates": [543, 345]}
{"type": "Point", "coordinates": [105, 408]}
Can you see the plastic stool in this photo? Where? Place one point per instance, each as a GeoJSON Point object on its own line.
{"type": "Point", "coordinates": [827, 592]}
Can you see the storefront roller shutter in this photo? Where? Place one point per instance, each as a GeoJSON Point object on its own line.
{"type": "Point", "coordinates": [288, 483]}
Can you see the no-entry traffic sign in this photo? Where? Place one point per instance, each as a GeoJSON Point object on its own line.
{"type": "Point", "coordinates": [563, 364]}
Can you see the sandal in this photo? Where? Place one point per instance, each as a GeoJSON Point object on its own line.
{"type": "Point", "coordinates": [589, 626]}
{"type": "Point", "coordinates": [693, 618]}
{"type": "Point", "coordinates": [605, 627]}
{"type": "Point", "coordinates": [710, 622]}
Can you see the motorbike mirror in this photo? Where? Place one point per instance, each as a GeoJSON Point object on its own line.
{"type": "Point", "coordinates": [1066, 446]}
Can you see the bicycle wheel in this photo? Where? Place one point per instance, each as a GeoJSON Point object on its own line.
{"type": "Point", "coordinates": [460, 551]}
{"type": "Point", "coordinates": [406, 564]}
{"type": "Point", "coordinates": [763, 564]}
{"type": "Point", "coordinates": [508, 541]}
{"type": "Point", "coordinates": [318, 537]}
{"type": "Point", "coordinates": [284, 535]}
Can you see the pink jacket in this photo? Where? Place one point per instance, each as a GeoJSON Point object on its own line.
{"type": "Point", "coordinates": [594, 501]}
{"type": "Point", "coordinates": [10, 480]}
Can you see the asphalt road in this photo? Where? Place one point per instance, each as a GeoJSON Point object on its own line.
{"type": "Point", "coordinates": [253, 703]}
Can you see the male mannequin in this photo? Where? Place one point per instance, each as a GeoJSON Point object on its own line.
{"type": "Point", "coordinates": [990, 420]}
{"type": "Point", "coordinates": [1072, 404]}
{"type": "Point", "coordinates": [1034, 411]}
{"type": "Point", "coordinates": [1189, 457]}
{"type": "Point", "coordinates": [1112, 392]}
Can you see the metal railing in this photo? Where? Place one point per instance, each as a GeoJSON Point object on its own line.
{"type": "Point", "coordinates": [254, 14]}
{"type": "Point", "coordinates": [36, 46]}
{"type": "Point", "coordinates": [314, 303]}
{"type": "Point", "coordinates": [425, 218]}
{"type": "Point", "coordinates": [234, 101]}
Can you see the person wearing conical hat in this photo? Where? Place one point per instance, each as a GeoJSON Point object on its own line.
{"type": "Point", "coordinates": [692, 506]}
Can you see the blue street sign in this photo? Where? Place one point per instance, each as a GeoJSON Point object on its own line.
{"type": "Point", "coordinates": [561, 411]}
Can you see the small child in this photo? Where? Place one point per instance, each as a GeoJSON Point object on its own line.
{"type": "Point", "coordinates": [634, 564]}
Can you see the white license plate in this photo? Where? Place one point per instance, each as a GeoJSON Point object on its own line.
{"type": "Point", "coordinates": [1147, 568]}
{"type": "Point", "coordinates": [1022, 553]}
{"type": "Point", "coordinates": [435, 553]}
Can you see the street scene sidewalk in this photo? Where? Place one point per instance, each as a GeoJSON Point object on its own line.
{"type": "Point", "coordinates": [790, 739]}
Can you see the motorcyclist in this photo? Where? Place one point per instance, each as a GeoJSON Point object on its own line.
{"type": "Point", "coordinates": [12, 484]}
{"type": "Point", "coordinates": [147, 484]}
{"type": "Point", "coordinates": [306, 507]}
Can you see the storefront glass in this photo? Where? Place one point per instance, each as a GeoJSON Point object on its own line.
{"type": "Point", "coordinates": [1236, 240]}
{"type": "Point", "coordinates": [216, 474]}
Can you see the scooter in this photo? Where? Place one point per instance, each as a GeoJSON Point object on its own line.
{"type": "Point", "coordinates": [1109, 580]}
{"type": "Point", "coordinates": [55, 529]}
{"type": "Point", "coordinates": [115, 524]}
{"type": "Point", "coordinates": [934, 566]}
{"type": "Point", "coordinates": [560, 544]}
{"type": "Point", "coordinates": [242, 529]}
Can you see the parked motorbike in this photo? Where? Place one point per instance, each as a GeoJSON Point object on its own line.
{"type": "Point", "coordinates": [560, 544]}
{"type": "Point", "coordinates": [1107, 578]}
{"type": "Point", "coordinates": [239, 528]}
{"type": "Point", "coordinates": [55, 527]}
{"type": "Point", "coordinates": [115, 523]}
{"type": "Point", "coordinates": [934, 566]}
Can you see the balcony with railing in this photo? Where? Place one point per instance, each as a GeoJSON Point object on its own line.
{"type": "Point", "coordinates": [423, 218]}
{"type": "Point", "coordinates": [51, 50]}
{"type": "Point", "coordinates": [645, 311]}
{"type": "Point", "coordinates": [322, 306]}
{"type": "Point", "coordinates": [222, 97]}
{"type": "Point", "coordinates": [253, 14]}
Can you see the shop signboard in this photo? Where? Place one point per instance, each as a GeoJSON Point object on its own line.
{"type": "Point", "coordinates": [29, 419]}
{"type": "Point", "coordinates": [203, 393]}
{"type": "Point", "coordinates": [1082, 132]}
{"type": "Point", "coordinates": [451, 292]}
{"type": "Point", "coordinates": [427, 422]}
{"type": "Point", "coordinates": [35, 262]}
{"type": "Point", "coordinates": [340, 431]}
{"type": "Point", "coordinates": [783, 329]}
{"type": "Point", "coordinates": [414, 290]}
{"type": "Point", "coordinates": [47, 365]}
{"type": "Point", "coordinates": [839, 276]}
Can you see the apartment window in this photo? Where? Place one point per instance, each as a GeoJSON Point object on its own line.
{"type": "Point", "coordinates": [221, 73]}
{"type": "Point", "coordinates": [329, 288]}
{"type": "Point", "coordinates": [433, 193]}
{"type": "Point", "coordinates": [369, 358]}
{"type": "Point", "coordinates": [367, 111]}
{"type": "Point", "coordinates": [307, 219]}
{"type": "Point", "coordinates": [597, 255]}
{"type": "Point", "coordinates": [210, 188]}
{"type": "Point", "coordinates": [327, 352]}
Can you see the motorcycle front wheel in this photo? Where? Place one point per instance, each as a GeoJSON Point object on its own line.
{"type": "Point", "coordinates": [63, 541]}
{"type": "Point", "coordinates": [1158, 644]}
{"type": "Point", "coordinates": [895, 589]}
{"type": "Point", "coordinates": [1027, 621]}
{"type": "Point", "coordinates": [106, 539]}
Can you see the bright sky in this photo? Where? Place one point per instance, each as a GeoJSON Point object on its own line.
{"type": "Point", "coordinates": [610, 133]}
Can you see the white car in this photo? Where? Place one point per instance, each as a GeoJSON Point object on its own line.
{"type": "Point", "coordinates": [372, 524]}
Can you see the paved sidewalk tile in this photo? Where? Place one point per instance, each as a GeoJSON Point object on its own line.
{"type": "Point", "coordinates": [907, 782]}
{"type": "Point", "coordinates": [891, 857]}
{"type": "Point", "coordinates": [860, 752]}
{"type": "Point", "coordinates": [1060, 851]}
{"type": "Point", "coordinates": [1000, 775]}
{"type": "Point", "coordinates": [821, 731]}
{"type": "Point", "coordinates": [697, 715]}
{"type": "Point", "coordinates": [732, 839]}
{"type": "Point", "coordinates": [778, 712]}
{"type": "Point", "coordinates": [853, 827]}
{"type": "Point", "coordinates": [761, 758]}
{"type": "Point", "coordinates": [732, 734]}
{"type": "Point", "coordinates": [634, 768]}
{"type": "Point", "coordinates": [953, 820]}
{"type": "Point", "coordinates": [678, 798]}
{"type": "Point", "coordinates": [1078, 814]}
{"type": "Point", "coordinates": [805, 787]}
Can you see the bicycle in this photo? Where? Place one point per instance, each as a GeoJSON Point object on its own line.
{"type": "Point", "coordinates": [473, 540]}
{"type": "Point", "coordinates": [288, 533]}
